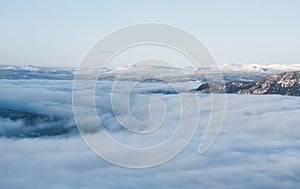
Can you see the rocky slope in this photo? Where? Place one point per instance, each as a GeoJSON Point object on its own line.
{"type": "Point", "coordinates": [287, 83]}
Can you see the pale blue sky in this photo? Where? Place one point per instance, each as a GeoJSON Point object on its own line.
{"type": "Point", "coordinates": [58, 33]}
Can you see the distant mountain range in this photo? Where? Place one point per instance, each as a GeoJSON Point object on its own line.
{"type": "Point", "coordinates": [287, 83]}
{"type": "Point", "coordinates": [231, 72]}
{"type": "Point", "coordinates": [35, 72]}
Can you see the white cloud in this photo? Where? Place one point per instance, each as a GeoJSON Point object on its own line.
{"type": "Point", "coordinates": [257, 148]}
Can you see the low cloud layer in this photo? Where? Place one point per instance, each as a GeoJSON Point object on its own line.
{"type": "Point", "coordinates": [258, 146]}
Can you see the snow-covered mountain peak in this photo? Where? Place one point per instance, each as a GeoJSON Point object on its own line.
{"type": "Point", "coordinates": [239, 72]}
{"type": "Point", "coordinates": [261, 68]}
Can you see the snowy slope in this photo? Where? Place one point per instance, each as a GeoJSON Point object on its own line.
{"type": "Point", "coordinates": [140, 72]}
{"type": "Point", "coordinates": [260, 68]}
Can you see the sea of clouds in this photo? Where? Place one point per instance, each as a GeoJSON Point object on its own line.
{"type": "Point", "coordinates": [258, 147]}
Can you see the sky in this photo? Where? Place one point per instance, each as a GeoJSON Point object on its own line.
{"type": "Point", "coordinates": [59, 32]}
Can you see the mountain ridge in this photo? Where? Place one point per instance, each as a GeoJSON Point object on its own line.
{"type": "Point", "coordinates": [138, 72]}
{"type": "Point", "coordinates": [286, 83]}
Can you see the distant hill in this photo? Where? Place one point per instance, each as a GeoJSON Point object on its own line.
{"type": "Point", "coordinates": [142, 72]}
{"type": "Point", "coordinates": [287, 83]}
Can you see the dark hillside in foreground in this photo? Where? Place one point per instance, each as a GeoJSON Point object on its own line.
{"type": "Point", "coordinates": [287, 83]}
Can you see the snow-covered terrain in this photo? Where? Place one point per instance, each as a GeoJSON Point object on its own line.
{"type": "Point", "coordinates": [258, 146]}
{"type": "Point", "coordinates": [139, 72]}
{"type": "Point", "coordinates": [287, 83]}
{"type": "Point", "coordinates": [35, 72]}
{"type": "Point", "coordinates": [260, 68]}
